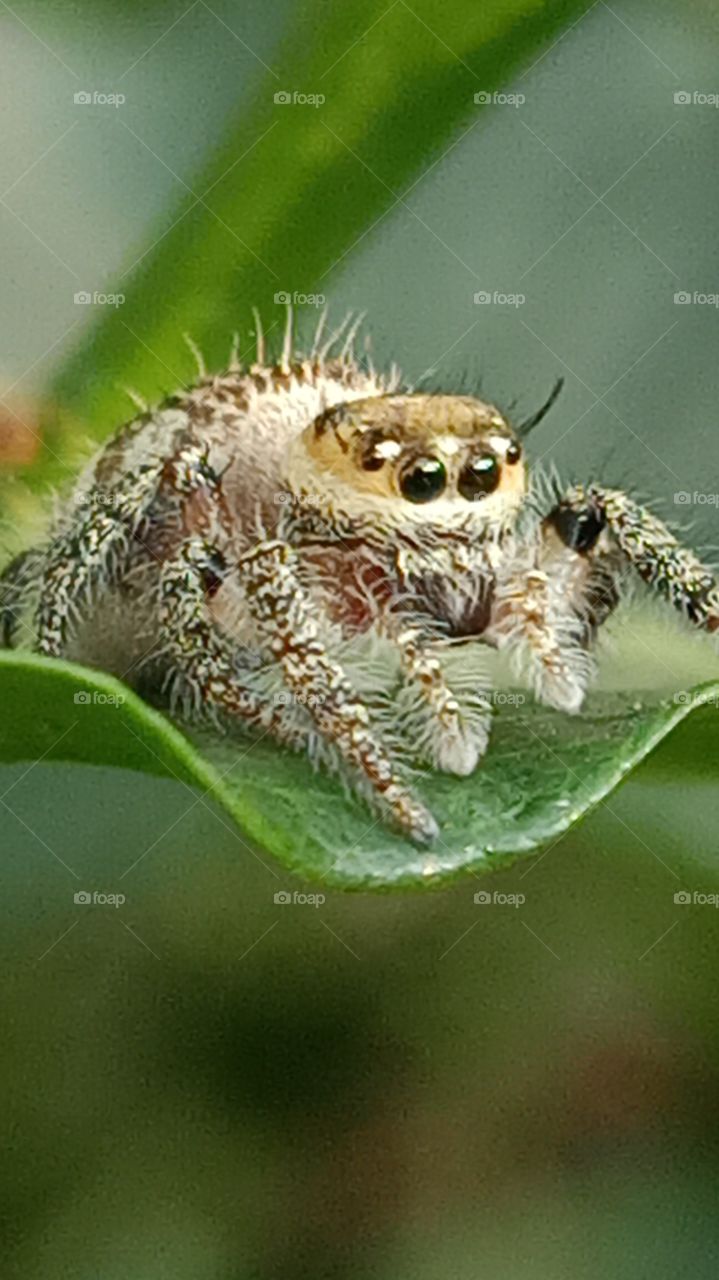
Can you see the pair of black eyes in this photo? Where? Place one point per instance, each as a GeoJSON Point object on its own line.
{"type": "Point", "coordinates": [426, 478]}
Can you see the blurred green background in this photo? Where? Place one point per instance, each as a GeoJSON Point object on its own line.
{"type": "Point", "coordinates": [205, 1083]}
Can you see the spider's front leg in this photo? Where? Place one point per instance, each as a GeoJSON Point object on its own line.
{"type": "Point", "coordinates": [450, 736]}
{"type": "Point", "coordinates": [284, 616]}
{"type": "Point", "coordinates": [645, 544]}
{"type": "Point", "coordinates": [534, 616]}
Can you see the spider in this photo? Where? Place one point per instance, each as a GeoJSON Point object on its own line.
{"type": "Point", "coordinates": [237, 539]}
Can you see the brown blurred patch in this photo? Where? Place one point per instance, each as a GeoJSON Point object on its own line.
{"type": "Point", "coordinates": [20, 431]}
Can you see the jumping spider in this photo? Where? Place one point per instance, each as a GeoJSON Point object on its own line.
{"type": "Point", "coordinates": [258, 521]}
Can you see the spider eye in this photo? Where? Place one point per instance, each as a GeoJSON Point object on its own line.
{"type": "Point", "coordinates": [424, 480]}
{"type": "Point", "coordinates": [513, 454]}
{"type": "Point", "coordinates": [479, 477]}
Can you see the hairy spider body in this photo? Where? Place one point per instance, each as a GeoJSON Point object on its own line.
{"type": "Point", "coordinates": [234, 542]}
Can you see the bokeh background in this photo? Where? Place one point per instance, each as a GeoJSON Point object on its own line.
{"type": "Point", "coordinates": [204, 1083]}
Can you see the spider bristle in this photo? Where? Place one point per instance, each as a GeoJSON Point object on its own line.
{"type": "Point", "coordinates": [260, 353]}
{"type": "Point", "coordinates": [334, 337]}
{"type": "Point", "coordinates": [288, 341]}
{"type": "Point", "coordinates": [347, 351]}
{"type": "Point", "coordinates": [318, 332]}
{"type": "Point", "coordinates": [199, 358]}
{"type": "Point", "coordinates": [234, 365]}
{"type": "Point", "coordinates": [529, 424]}
{"type": "Point", "coordinates": [139, 401]}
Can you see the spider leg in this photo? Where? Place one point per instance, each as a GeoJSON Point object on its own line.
{"type": "Point", "coordinates": [585, 565]}
{"type": "Point", "coordinates": [206, 661]}
{"type": "Point", "coordinates": [285, 618]}
{"type": "Point", "coordinates": [450, 737]}
{"type": "Point", "coordinates": [85, 555]}
{"type": "Point", "coordinates": [88, 553]}
{"type": "Point", "coordinates": [198, 650]}
{"type": "Point", "coordinates": [538, 623]}
{"type": "Point", "coordinates": [645, 544]}
{"type": "Point", "coordinates": [16, 580]}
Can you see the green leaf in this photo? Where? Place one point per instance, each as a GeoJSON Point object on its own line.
{"type": "Point", "coordinates": [292, 189]}
{"type": "Point", "coordinates": [542, 773]}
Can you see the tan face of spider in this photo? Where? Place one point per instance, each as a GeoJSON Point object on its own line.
{"type": "Point", "coordinates": [420, 453]}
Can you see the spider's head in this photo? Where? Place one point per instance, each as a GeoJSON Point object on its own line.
{"type": "Point", "coordinates": [413, 458]}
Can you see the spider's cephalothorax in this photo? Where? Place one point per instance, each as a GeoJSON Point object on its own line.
{"type": "Point", "coordinates": [401, 503]}
{"type": "Point", "coordinates": [230, 543]}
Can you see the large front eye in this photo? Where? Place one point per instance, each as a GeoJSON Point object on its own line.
{"type": "Point", "coordinates": [424, 480]}
{"type": "Point", "coordinates": [479, 477]}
